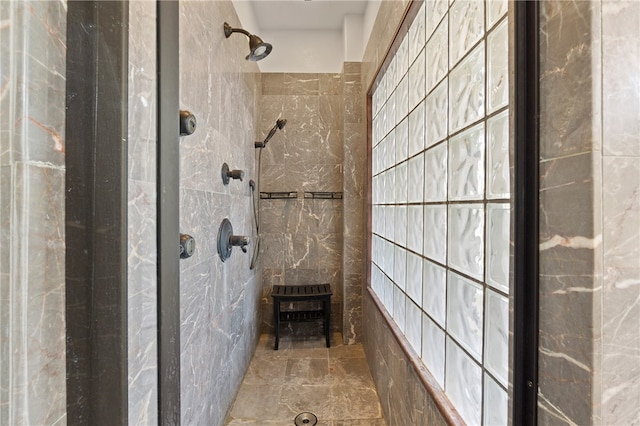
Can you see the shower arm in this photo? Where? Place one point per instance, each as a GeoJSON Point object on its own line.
{"type": "Point", "coordinates": [229, 31]}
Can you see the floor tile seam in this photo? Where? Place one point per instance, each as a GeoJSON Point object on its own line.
{"type": "Point", "coordinates": [359, 387]}
{"type": "Point", "coordinates": [347, 357]}
{"type": "Point", "coordinates": [307, 357]}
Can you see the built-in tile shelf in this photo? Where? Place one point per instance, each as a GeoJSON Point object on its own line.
{"type": "Point", "coordinates": [323, 195]}
{"type": "Point", "coordinates": [282, 195]}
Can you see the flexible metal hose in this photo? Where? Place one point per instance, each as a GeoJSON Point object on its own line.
{"type": "Point", "coordinates": [255, 189]}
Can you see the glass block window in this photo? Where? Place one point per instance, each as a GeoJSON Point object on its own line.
{"type": "Point", "coordinates": [441, 199]}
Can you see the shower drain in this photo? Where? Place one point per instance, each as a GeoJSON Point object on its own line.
{"type": "Point", "coordinates": [306, 419]}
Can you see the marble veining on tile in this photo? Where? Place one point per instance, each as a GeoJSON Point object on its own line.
{"type": "Point", "coordinates": [219, 302]}
{"type": "Point", "coordinates": [589, 149]}
{"type": "Point", "coordinates": [321, 149]}
{"type": "Point", "coordinates": [141, 218]}
{"type": "Point", "coordinates": [32, 213]}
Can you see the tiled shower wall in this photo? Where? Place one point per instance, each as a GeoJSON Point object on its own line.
{"type": "Point", "coordinates": [32, 179]}
{"type": "Point", "coordinates": [354, 178]}
{"type": "Point", "coordinates": [620, 210]}
{"type": "Point", "coordinates": [590, 213]}
{"type": "Point", "coordinates": [141, 218]}
{"type": "Point", "coordinates": [321, 149]}
{"type": "Point", "coordinates": [219, 300]}
{"type": "Point", "coordinates": [302, 238]}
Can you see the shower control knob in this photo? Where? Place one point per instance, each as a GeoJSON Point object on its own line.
{"type": "Point", "coordinates": [233, 174]}
{"type": "Point", "coordinates": [187, 246]}
{"type": "Point", "coordinates": [239, 241]}
{"type": "Point", "coordinates": [187, 123]}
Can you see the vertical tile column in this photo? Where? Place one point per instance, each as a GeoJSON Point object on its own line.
{"type": "Point", "coordinates": [570, 239]}
{"type": "Point", "coordinates": [621, 212]}
{"type": "Point", "coordinates": [32, 212]}
{"type": "Point", "coordinates": [354, 169]}
{"type": "Point", "coordinates": [142, 256]}
{"type": "Point", "coordinates": [590, 231]}
{"type": "Point", "coordinates": [219, 302]}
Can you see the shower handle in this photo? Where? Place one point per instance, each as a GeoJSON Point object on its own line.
{"type": "Point", "coordinates": [239, 241]}
{"type": "Point", "coordinates": [230, 174]}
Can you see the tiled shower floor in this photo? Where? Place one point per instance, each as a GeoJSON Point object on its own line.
{"type": "Point", "coordinates": [304, 376]}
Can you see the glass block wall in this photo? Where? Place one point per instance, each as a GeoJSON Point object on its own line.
{"type": "Point", "coordinates": [440, 199]}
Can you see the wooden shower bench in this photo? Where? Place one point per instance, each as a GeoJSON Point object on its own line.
{"type": "Point", "coordinates": [302, 293]}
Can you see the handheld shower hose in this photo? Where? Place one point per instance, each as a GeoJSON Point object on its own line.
{"type": "Point", "coordinates": [255, 190]}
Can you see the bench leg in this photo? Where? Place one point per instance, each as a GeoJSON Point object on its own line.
{"type": "Point", "coordinates": [276, 321]}
{"type": "Point", "coordinates": [327, 321]}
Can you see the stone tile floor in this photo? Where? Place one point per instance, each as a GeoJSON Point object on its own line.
{"type": "Point", "coordinates": [303, 375]}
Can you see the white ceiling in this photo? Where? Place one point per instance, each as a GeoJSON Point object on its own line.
{"type": "Point", "coordinates": [309, 35]}
{"type": "Point", "coordinates": [301, 15]}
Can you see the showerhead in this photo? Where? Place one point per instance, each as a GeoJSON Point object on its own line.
{"type": "Point", "coordinates": [258, 48]}
{"type": "Point", "coordinates": [280, 123]}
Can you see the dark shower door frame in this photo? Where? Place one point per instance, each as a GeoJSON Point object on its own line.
{"type": "Point", "coordinates": [168, 199]}
{"type": "Point", "coordinates": [526, 210]}
{"type": "Point", "coordinates": [96, 213]}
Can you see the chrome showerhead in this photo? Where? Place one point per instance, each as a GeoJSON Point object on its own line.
{"type": "Point", "coordinates": [280, 123]}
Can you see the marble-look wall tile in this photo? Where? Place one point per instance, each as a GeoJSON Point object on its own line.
{"type": "Point", "coordinates": [566, 76]}
{"type": "Point", "coordinates": [220, 315]}
{"type": "Point", "coordinates": [571, 385]}
{"type": "Point", "coordinates": [302, 239]}
{"type": "Point", "coordinates": [566, 288]}
{"type": "Point", "coordinates": [403, 397]}
{"type": "Point", "coordinates": [32, 182]}
{"type": "Point", "coordinates": [37, 300]}
{"type": "Point", "coordinates": [354, 172]}
{"type": "Point", "coordinates": [141, 306]}
{"type": "Point", "coordinates": [352, 308]}
{"type": "Point", "coordinates": [38, 80]}
{"type": "Point", "coordinates": [621, 291]}
{"type": "Point", "coordinates": [621, 108]}
{"type": "Point", "coordinates": [301, 84]}
{"type": "Point", "coordinates": [141, 217]}
{"type": "Point", "coordinates": [621, 213]}
{"type": "Point", "coordinates": [354, 157]}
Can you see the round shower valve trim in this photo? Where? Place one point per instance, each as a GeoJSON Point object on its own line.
{"type": "Point", "coordinates": [226, 240]}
